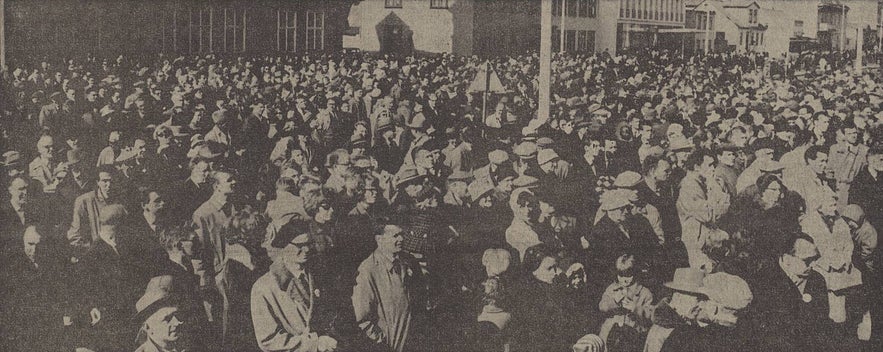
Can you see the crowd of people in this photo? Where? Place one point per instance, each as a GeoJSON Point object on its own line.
{"type": "Point", "coordinates": [363, 202]}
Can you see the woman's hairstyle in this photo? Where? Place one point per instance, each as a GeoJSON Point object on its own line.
{"type": "Point", "coordinates": [766, 180]}
{"type": "Point", "coordinates": [534, 256]}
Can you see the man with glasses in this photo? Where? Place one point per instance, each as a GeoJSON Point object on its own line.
{"type": "Point", "coordinates": [287, 304]}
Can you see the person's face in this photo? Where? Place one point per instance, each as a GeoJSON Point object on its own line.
{"type": "Point", "coordinates": [706, 169]}
{"type": "Point", "coordinates": [140, 148]}
{"type": "Point", "coordinates": [343, 164]}
{"type": "Point", "coordinates": [189, 245]}
{"type": "Point", "coordinates": [819, 164]}
{"type": "Point", "coordinates": [646, 133]}
{"type": "Point", "coordinates": [46, 147]}
{"type": "Point", "coordinates": [458, 188]}
{"type": "Point", "coordinates": [829, 207]}
{"type": "Point", "coordinates": [593, 149]}
{"type": "Point", "coordinates": [296, 254]}
{"type": "Point", "coordinates": [391, 239]}
{"type": "Point", "coordinates": [370, 196]}
{"type": "Point", "coordinates": [298, 157]}
{"type": "Point", "coordinates": [822, 123]}
{"type": "Point", "coordinates": [155, 203]}
{"type": "Point", "coordinates": [485, 202]}
{"type": "Point", "coordinates": [851, 135]}
{"type": "Point", "coordinates": [566, 126]}
{"type": "Point", "coordinates": [547, 271]}
{"type": "Point", "coordinates": [739, 138]}
{"type": "Point", "coordinates": [423, 159]}
{"type": "Point", "coordinates": [226, 184]}
{"type": "Point", "coordinates": [711, 312]}
{"type": "Point", "coordinates": [800, 263]}
{"type": "Point", "coordinates": [200, 172]}
{"type": "Point", "coordinates": [506, 185]}
{"type": "Point", "coordinates": [687, 306]}
{"type": "Point", "coordinates": [31, 241]}
{"type": "Point", "coordinates": [618, 215]}
{"type": "Point", "coordinates": [875, 162]}
{"type": "Point", "coordinates": [727, 158]}
{"type": "Point", "coordinates": [662, 171]}
{"type": "Point", "coordinates": [105, 182]}
{"type": "Point", "coordinates": [610, 146]}
{"type": "Point", "coordinates": [163, 326]}
{"type": "Point", "coordinates": [772, 194]}
{"type": "Point", "coordinates": [547, 211]}
{"type": "Point", "coordinates": [18, 191]}
{"type": "Point", "coordinates": [115, 97]}
{"type": "Point", "coordinates": [324, 213]}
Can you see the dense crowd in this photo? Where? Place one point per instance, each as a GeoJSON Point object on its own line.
{"type": "Point", "coordinates": [358, 202]}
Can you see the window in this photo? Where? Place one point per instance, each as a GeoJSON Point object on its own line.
{"type": "Point", "coordinates": [436, 4]}
{"type": "Point", "coordinates": [798, 28]}
{"type": "Point", "coordinates": [570, 40]}
{"type": "Point", "coordinates": [316, 30]}
{"type": "Point", "coordinates": [752, 16]}
{"type": "Point", "coordinates": [393, 4]}
{"type": "Point", "coordinates": [234, 30]}
{"type": "Point", "coordinates": [741, 38]}
{"type": "Point", "coordinates": [200, 30]}
{"type": "Point", "coordinates": [286, 30]}
{"type": "Point", "coordinates": [711, 20]}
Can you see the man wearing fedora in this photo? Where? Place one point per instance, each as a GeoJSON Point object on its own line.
{"type": "Point", "coordinates": [163, 325]}
{"type": "Point", "coordinates": [289, 307]}
{"type": "Point", "coordinates": [675, 316]}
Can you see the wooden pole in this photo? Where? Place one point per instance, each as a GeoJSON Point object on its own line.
{"type": "Point", "coordinates": [2, 34]}
{"type": "Point", "coordinates": [545, 60]}
{"type": "Point", "coordinates": [563, 14]}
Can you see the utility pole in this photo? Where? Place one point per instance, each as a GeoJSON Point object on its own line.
{"type": "Point", "coordinates": [842, 26]}
{"type": "Point", "coordinates": [2, 34]}
{"type": "Point", "coordinates": [563, 15]}
{"type": "Point", "coordinates": [545, 80]}
{"type": "Point", "coordinates": [707, 27]}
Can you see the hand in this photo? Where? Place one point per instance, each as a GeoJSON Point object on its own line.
{"type": "Point", "coordinates": [628, 304]}
{"type": "Point", "coordinates": [327, 344]}
{"type": "Point", "coordinates": [95, 314]}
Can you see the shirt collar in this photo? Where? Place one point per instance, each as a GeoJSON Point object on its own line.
{"type": "Point", "coordinates": [281, 274]}
{"type": "Point", "coordinates": [385, 260]}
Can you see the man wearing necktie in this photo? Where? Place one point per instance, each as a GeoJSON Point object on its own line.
{"type": "Point", "coordinates": [287, 302]}
{"type": "Point", "coordinates": [847, 158]}
{"type": "Point", "coordinates": [387, 293]}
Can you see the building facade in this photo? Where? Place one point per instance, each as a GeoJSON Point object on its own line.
{"type": "Point", "coordinates": [52, 27]}
{"type": "Point", "coordinates": [649, 23]}
{"type": "Point", "coordinates": [725, 26]}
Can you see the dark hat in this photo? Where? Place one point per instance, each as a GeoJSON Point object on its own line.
{"type": "Point", "coordinates": [762, 143]}
{"type": "Point", "coordinates": [294, 231]}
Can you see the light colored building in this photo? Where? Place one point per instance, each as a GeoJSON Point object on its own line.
{"type": "Point", "coordinates": [796, 24]}
{"type": "Point", "coordinates": [724, 26]}
{"type": "Point", "coordinates": [650, 23]}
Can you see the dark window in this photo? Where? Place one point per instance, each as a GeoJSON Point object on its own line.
{"type": "Point", "coordinates": [434, 4]}
{"type": "Point", "coordinates": [393, 4]}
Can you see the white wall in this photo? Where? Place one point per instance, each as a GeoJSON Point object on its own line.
{"type": "Point", "coordinates": [433, 28]}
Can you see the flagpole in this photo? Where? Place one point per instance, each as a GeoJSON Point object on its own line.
{"type": "Point", "coordinates": [545, 60]}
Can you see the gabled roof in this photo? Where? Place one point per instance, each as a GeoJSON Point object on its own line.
{"type": "Point", "coordinates": [740, 3]}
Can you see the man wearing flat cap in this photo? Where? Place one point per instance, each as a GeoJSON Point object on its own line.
{"type": "Point", "coordinates": [288, 304]}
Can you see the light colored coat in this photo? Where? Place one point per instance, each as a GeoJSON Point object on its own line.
{"type": "Point", "coordinates": [698, 209]}
{"type": "Point", "coordinates": [281, 313]}
{"type": "Point", "coordinates": [835, 247]}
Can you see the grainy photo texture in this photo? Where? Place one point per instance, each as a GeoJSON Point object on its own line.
{"type": "Point", "coordinates": [441, 175]}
